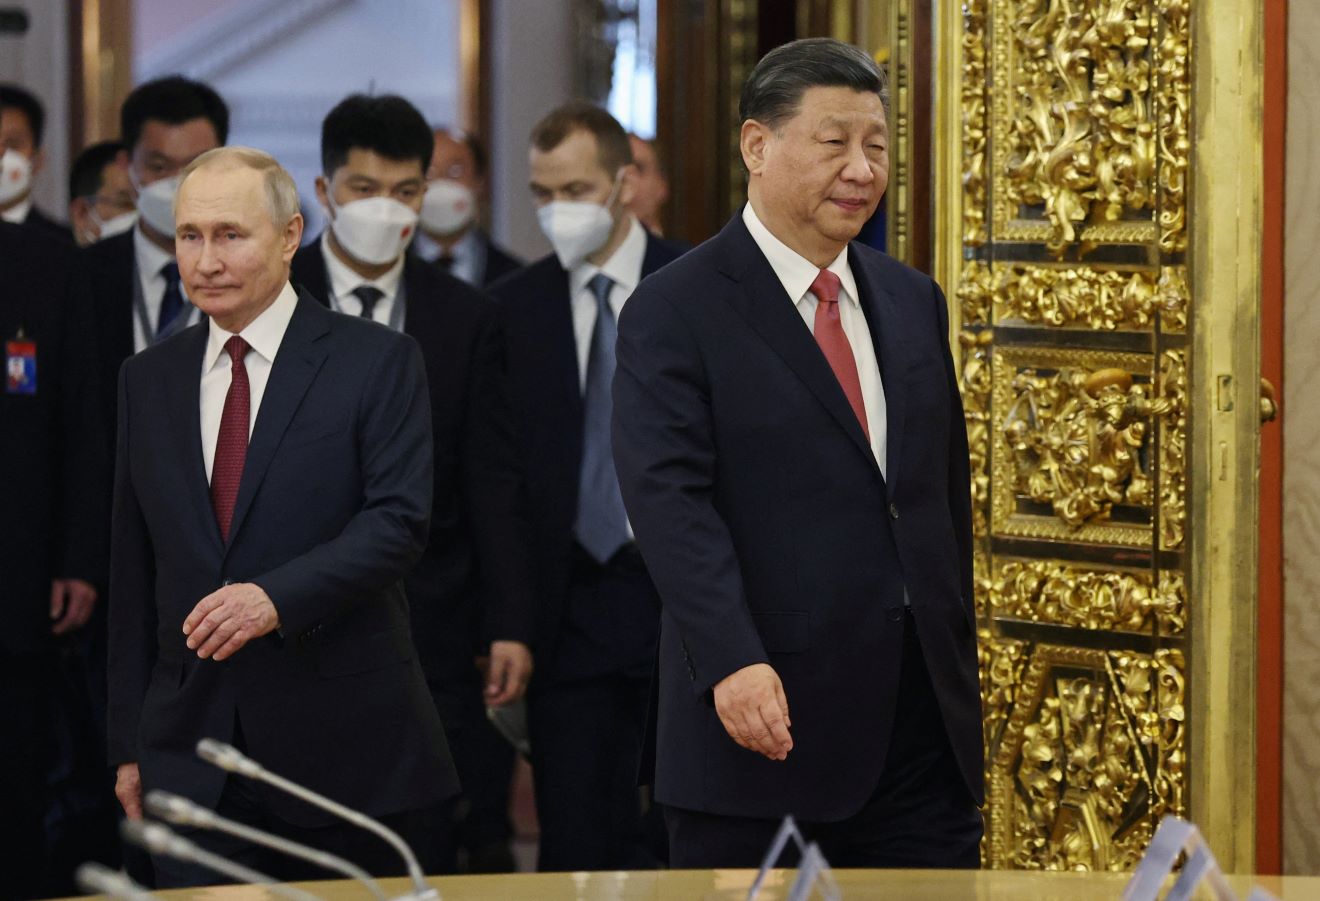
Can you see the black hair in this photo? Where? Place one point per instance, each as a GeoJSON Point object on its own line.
{"type": "Point", "coordinates": [172, 100]}
{"type": "Point", "coordinates": [773, 92]}
{"type": "Point", "coordinates": [386, 125]}
{"type": "Point", "coordinates": [85, 176]}
{"type": "Point", "coordinates": [23, 100]}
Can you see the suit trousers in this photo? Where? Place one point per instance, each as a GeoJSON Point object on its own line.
{"type": "Point", "coordinates": [427, 831]}
{"type": "Point", "coordinates": [920, 814]}
{"type": "Point", "coordinates": [587, 718]}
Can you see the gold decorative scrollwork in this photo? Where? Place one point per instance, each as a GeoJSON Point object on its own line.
{"type": "Point", "coordinates": [975, 123]}
{"type": "Point", "coordinates": [1064, 594]}
{"type": "Point", "coordinates": [1173, 77]}
{"type": "Point", "coordinates": [1173, 450]}
{"type": "Point", "coordinates": [1091, 757]}
{"type": "Point", "coordinates": [976, 381]}
{"type": "Point", "coordinates": [1105, 300]}
{"type": "Point", "coordinates": [1057, 446]}
{"type": "Point", "coordinates": [976, 293]}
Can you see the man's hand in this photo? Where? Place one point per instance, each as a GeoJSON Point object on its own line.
{"type": "Point", "coordinates": [507, 671]}
{"type": "Point", "coordinates": [71, 604]}
{"type": "Point", "coordinates": [225, 620]}
{"type": "Point", "coordinates": [754, 711]}
{"type": "Point", "coordinates": [128, 789]}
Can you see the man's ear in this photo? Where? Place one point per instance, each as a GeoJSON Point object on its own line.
{"type": "Point", "coordinates": [753, 141]}
{"type": "Point", "coordinates": [628, 176]}
{"type": "Point", "coordinates": [38, 161]}
{"type": "Point", "coordinates": [292, 237]}
{"type": "Point", "coordinates": [323, 193]}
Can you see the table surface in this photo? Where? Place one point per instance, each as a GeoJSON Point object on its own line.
{"type": "Point", "coordinates": [727, 885]}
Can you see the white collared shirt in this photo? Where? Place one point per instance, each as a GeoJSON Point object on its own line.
{"type": "Point", "coordinates": [624, 268]}
{"type": "Point", "coordinates": [18, 213]}
{"type": "Point", "coordinates": [150, 260]}
{"type": "Point", "coordinates": [344, 281]}
{"type": "Point", "coordinates": [264, 334]}
{"type": "Point", "coordinates": [468, 253]}
{"type": "Point", "coordinates": [796, 273]}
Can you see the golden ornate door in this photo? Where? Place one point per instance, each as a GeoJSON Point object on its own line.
{"type": "Point", "coordinates": [1097, 210]}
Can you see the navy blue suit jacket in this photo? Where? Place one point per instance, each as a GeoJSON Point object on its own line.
{"type": "Point", "coordinates": [547, 395]}
{"type": "Point", "coordinates": [772, 535]}
{"type": "Point", "coordinates": [473, 585]}
{"type": "Point", "coordinates": [331, 514]}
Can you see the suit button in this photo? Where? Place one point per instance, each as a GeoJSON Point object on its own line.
{"type": "Point", "coordinates": [893, 511]}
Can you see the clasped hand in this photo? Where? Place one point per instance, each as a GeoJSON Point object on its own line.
{"type": "Point", "coordinates": [225, 620]}
{"type": "Point", "coordinates": [754, 711]}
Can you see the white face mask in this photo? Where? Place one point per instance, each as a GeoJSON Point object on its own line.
{"type": "Point", "coordinates": [115, 225]}
{"type": "Point", "coordinates": [15, 176]}
{"type": "Point", "coordinates": [373, 230]}
{"type": "Point", "coordinates": [448, 207]}
{"type": "Point", "coordinates": [156, 203]}
{"type": "Point", "coordinates": [577, 229]}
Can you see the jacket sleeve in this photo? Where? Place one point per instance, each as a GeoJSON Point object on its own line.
{"type": "Point", "coordinates": [493, 489]}
{"type": "Point", "coordinates": [131, 606]}
{"type": "Point", "coordinates": [960, 483]}
{"type": "Point", "coordinates": [383, 541]}
{"type": "Point", "coordinates": [665, 455]}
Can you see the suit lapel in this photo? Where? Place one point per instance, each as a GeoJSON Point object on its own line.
{"type": "Point", "coordinates": [769, 310]}
{"type": "Point", "coordinates": [884, 321]}
{"type": "Point", "coordinates": [296, 363]}
{"type": "Point", "coordinates": [183, 403]}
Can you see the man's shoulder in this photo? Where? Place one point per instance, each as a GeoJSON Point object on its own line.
{"type": "Point", "coordinates": [112, 255]}
{"type": "Point", "coordinates": [535, 280]}
{"type": "Point", "coordinates": [882, 264]}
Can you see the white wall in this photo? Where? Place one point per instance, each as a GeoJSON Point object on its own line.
{"type": "Point", "coordinates": [39, 61]}
{"type": "Point", "coordinates": [532, 73]}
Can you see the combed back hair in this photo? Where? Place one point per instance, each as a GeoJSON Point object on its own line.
{"type": "Point", "coordinates": [14, 97]}
{"type": "Point", "coordinates": [773, 92]}
{"type": "Point", "coordinates": [612, 148]}
{"type": "Point", "coordinates": [281, 192]}
{"type": "Point", "coordinates": [87, 174]}
{"type": "Point", "coordinates": [173, 100]}
{"type": "Point", "coordinates": [387, 125]}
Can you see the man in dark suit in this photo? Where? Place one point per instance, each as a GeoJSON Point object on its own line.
{"type": "Point", "coordinates": [53, 475]}
{"type": "Point", "coordinates": [599, 615]}
{"type": "Point", "coordinates": [791, 447]}
{"type": "Point", "coordinates": [471, 595]}
{"type": "Point", "coordinates": [451, 236]}
{"type": "Point", "coordinates": [267, 607]}
{"type": "Point", "coordinates": [22, 126]}
{"type": "Point", "coordinates": [101, 199]}
{"type": "Point", "coordinates": [133, 276]}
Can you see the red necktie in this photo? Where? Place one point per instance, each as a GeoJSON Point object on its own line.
{"type": "Point", "coordinates": [834, 343]}
{"type": "Point", "coordinates": [232, 443]}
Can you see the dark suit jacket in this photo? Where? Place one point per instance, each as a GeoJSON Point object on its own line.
{"type": "Point", "coordinates": [48, 226]}
{"type": "Point", "coordinates": [473, 585]}
{"type": "Point", "coordinates": [499, 262]}
{"type": "Point", "coordinates": [332, 513]}
{"type": "Point", "coordinates": [54, 467]}
{"type": "Point", "coordinates": [547, 396]}
{"type": "Point", "coordinates": [109, 270]}
{"type": "Point", "coordinates": [772, 535]}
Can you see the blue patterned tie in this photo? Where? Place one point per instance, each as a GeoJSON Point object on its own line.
{"type": "Point", "coordinates": [171, 302]}
{"type": "Point", "coordinates": [602, 524]}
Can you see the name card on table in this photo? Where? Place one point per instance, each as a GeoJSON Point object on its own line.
{"type": "Point", "coordinates": [1174, 838]}
{"type": "Point", "coordinates": [813, 870]}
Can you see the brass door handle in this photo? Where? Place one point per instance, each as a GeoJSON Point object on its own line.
{"type": "Point", "coordinates": [1269, 406]}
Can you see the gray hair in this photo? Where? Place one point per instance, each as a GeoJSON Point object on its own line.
{"type": "Point", "coordinates": [773, 92]}
{"type": "Point", "coordinates": [281, 192]}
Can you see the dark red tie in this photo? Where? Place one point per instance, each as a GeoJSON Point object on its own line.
{"type": "Point", "coordinates": [232, 443]}
{"type": "Point", "coordinates": [834, 343]}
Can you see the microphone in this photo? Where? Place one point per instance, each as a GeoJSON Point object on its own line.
{"type": "Point", "coordinates": [161, 840]}
{"type": "Point", "coordinates": [182, 812]}
{"type": "Point", "coordinates": [95, 878]}
{"type": "Point", "coordinates": [232, 760]}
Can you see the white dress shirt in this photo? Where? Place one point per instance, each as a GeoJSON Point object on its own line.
{"type": "Point", "coordinates": [264, 334]}
{"type": "Point", "coordinates": [344, 281]}
{"type": "Point", "coordinates": [150, 259]}
{"type": "Point", "coordinates": [624, 268]}
{"type": "Point", "coordinates": [469, 255]}
{"type": "Point", "coordinates": [18, 213]}
{"type": "Point", "coordinates": [796, 273]}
